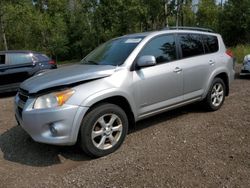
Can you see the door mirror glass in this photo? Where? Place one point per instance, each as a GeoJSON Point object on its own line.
{"type": "Point", "coordinates": [146, 61]}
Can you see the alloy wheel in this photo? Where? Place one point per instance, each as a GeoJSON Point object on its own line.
{"type": "Point", "coordinates": [106, 131]}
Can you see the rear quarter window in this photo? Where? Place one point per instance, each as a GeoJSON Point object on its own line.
{"type": "Point", "coordinates": [211, 43]}
{"type": "Point", "coordinates": [19, 58]}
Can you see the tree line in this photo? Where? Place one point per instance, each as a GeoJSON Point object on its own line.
{"type": "Point", "coordinates": [69, 29]}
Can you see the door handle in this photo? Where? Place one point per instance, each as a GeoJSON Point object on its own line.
{"type": "Point", "coordinates": [211, 62]}
{"type": "Point", "coordinates": [177, 70]}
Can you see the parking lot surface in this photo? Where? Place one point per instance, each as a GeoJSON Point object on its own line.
{"type": "Point", "coordinates": [187, 147]}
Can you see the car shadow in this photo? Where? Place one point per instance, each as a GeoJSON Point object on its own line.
{"type": "Point", "coordinates": [8, 94]}
{"type": "Point", "coordinates": [166, 116]}
{"type": "Point", "coordinates": [17, 146]}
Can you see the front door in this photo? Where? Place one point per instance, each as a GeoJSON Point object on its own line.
{"type": "Point", "coordinates": [161, 85]}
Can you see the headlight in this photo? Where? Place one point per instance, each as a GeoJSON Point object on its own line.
{"type": "Point", "coordinates": [53, 100]}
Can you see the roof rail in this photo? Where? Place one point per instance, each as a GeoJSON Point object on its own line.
{"type": "Point", "coordinates": [190, 28]}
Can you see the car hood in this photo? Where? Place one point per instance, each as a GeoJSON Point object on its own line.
{"type": "Point", "coordinates": [67, 75]}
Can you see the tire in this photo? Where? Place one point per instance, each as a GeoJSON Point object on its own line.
{"type": "Point", "coordinates": [103, 130]}
{"type": "Point", "coordinates": [216, 95]}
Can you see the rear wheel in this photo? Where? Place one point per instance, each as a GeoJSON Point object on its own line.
{"type": "Point", "coordinates": [216, 95]}
{"type": "Point", "coordinates": [103, 130]}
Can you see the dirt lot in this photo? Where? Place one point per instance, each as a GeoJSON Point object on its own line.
{"type": "Point", "coordinates": [187, 147]}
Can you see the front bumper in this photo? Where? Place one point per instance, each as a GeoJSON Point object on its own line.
{"type": "Point", "coordinates": [58, 126]}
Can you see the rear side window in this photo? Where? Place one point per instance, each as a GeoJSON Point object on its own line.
{"type": "Point", "coordinates": [210, 43]}
{"type": "Point", "coordinates": [2, 59]}
{"type": "Point", "coordinates": [191, 45]}
{"type": "Point", "coordinates": [41, 57]}
{"type": "Point", "coordinates": [163, 48]}
{"type": "Point", "coordinates": [19, 58]}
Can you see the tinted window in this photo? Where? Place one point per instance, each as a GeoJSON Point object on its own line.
{"type": "Point", "coordinates": [163, 48]}
{"type": "Point", "coordinates": [2, 59]}
{"type": "Point", "coordinates": [41, 57]}
{"type": "Point", "coordinates": [19, 58]}
{"type": "Point", "coordinates": [191, 45]}
{"type": "Point", "coordinates": [113, 52]}
{"type": "Point", "coordinates": [210, 43]}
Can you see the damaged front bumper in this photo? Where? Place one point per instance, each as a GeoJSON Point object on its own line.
{"type": "Point", "coordinates": [58, 126]}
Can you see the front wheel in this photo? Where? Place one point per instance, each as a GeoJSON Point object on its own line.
{"type": "Point", "coordinates": [216, 95]}
{"type": "Point", "coordinates": [103, 130]}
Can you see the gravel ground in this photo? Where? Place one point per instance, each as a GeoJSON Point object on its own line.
{"type": "Point", "coordinates": [187, 147]}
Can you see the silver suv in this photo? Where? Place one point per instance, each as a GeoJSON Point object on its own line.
{"type": "Point", "coordinates": [121, 82]}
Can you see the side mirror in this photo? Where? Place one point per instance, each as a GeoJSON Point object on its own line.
{"type": "Point", "coordinates": [146, 61]}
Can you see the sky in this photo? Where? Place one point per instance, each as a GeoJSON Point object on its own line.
{"type": "Point", "coordinates": [218, 1]}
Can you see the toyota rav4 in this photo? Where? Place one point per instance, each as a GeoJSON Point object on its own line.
{"type": "Point", "coordinates": [121, 82]}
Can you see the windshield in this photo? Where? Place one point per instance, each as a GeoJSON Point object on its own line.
{"type": "Point", "coordinates": [113, 52]}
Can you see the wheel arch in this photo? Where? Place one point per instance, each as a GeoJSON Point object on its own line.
{"type": "Point", "coordinates": [225, 79]}
{"type": "Point", "coordinates": [118, 100]}
{"type": "Point", "coordinates": [222, 75]}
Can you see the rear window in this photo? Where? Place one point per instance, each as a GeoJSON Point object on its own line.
{"type": "Point", "coordinates": [191, 45]}
{"type": "Point", "coordinates": [210, 43]}
{"type": "Point", "coordinates": [2, 59]}
{"type": "Point", "coordinates": [19, 58]}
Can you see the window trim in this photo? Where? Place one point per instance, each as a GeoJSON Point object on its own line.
{"type": "Point", "coordinates": [133, 66]}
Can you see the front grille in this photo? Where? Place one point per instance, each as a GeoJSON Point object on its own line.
{"type": "Point", "coordinates": [23, 97]}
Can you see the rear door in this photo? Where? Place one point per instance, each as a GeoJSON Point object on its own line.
{"type": "Point", "coordinates": [20, 67]}
{"type": "Point", "coordinates": [195, 64]}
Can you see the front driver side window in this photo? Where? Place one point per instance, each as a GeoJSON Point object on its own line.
{"type": "Point", "coordinates": [163, 48]}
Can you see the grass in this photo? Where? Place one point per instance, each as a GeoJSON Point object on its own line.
{"type": "Point", "coordinates": [240, 51]}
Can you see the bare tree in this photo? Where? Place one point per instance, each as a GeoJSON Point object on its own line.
{"type": "Point", "coordinates": [2, 26]}
{"type": "Point", "coordinates": [166, 13]}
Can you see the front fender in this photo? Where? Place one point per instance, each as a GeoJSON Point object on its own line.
{"type": "Point", "coordinates": [108, 93]}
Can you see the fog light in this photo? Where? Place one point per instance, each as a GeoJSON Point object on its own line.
{"type": "Point", "coordinates": [53, 129]}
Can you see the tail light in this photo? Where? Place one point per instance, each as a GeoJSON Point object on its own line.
{"type": "Point", "coordinates": [230, 53]}
{"type": "Point", "coordinates": [52, 62]}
